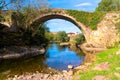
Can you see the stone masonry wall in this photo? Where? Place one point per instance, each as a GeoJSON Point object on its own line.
{"type": "Point", "coordinates": [107, 33]}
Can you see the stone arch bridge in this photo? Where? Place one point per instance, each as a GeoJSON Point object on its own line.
{"type": "Point", "coordinates": [54, 14]}
{"type": "Point", "coordinates": [104, 28]}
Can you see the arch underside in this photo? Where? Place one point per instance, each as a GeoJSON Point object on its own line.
{"type": "Point", "coordinates": [43, 19]}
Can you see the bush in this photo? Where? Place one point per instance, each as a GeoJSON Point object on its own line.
{"type": "Point", "coordinates": [80, 39]}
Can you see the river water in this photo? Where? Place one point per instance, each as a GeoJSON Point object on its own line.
{"type": "Point", "coordinates": [60, 57]}
{"type": "Point", "coordinates": [56, 57]}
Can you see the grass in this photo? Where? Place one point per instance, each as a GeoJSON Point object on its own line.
{"type": "Point", "coordinates": [105, 56]}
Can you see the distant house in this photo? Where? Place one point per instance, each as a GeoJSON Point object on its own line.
{"type": "Point", "coordinates": [71, 34]}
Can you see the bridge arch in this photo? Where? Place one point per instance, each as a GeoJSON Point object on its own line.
{"type": "Point", "coordinates": [43, 18]}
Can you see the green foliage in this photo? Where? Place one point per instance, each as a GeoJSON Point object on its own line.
{"type": "Point", "coordinates": [61, 36]}
{"type": "Point", "coordinates": [19, 20]}
{"type": "Point", "coordinates": [49, 36]}
{"type": "Point", "coordinates": [80, 39]}
{"type": "Point", "coordinates": [2, 4]}
{"type": "Point", "coordinates": [2, 17]}
{"type": "Point", "coordinates": [89, 19]}
{"type": "Point", "coordinates": [22, 17]}
{"type": "Point", "coordinates": [6, 16]}
{"type": "Point", "coordinates": [42, 29]}
{"type": "Point", "coordinates": [36, 36]}
{"type": "Point", "coordinates": [109, 5]}
{"type": "Point", "coordinates": [17, 5]}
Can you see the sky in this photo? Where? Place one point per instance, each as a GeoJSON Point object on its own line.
{"type": "Point", "coordinates": [56, 25]}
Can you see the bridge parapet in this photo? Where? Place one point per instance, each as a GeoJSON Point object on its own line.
{"type": "Point", "coordinates": [54, 10]}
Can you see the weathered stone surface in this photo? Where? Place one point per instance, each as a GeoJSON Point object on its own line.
{"type": "Point", "coordinates": [87, 64]}
{"type": "Point", "coordinates": [118, 52]}
{"type": "Point", "coordinates": [92, 47]}
{"type": "Point", "coordinates": [99, 77]}
{"type": "Point", "coordinates": [41, 76]}
{"type": "Point", "coordinates": [117, 75]}
{"type": "Point", "coordinates": [81, 68]}
{"type": "Point", "coordinates": [77, 77]}
{"type": "Point", "coordinates": [15, 52]}
{"type": "Point", "coordinates": [70, 67]}
{"type": "Point", "coordinates": [106, 33]}
{"type": "Point", "coordinates": [102, 66]}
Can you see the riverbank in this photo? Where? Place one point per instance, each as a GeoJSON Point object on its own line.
{"type": "Point", "coordinates": [42, 76]}
{"type": "Point", "coordinates": [106, 67]}
{"type": "Point", "coordinates": [64, 44]}
{"type": "Point", "coordinates": [14, 52]}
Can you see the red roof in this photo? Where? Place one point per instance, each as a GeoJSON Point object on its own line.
{"type": "Point", "coordinates": [70, 33]}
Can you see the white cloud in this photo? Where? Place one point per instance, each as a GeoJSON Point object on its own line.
{"type": "Point", "coordinates": [83, 4]}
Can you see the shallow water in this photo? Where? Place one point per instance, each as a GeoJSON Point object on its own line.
{"type": "Point", "coordinates": [60, 57]}
{"type": "Point", "coordinates": [56, 57]}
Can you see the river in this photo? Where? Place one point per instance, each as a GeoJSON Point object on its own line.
{"type": "Point", "coordinates": [56, 57]}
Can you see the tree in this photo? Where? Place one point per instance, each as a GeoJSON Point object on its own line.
{"type": "Point", "coordinates": [80, 39]}
{"type": "Point", "coordinates": [62, 36]}
{"type": "Point", "coordinates": [17, 5]}
{"type": "Point", "coordinates": [40, 4]}
{"type": "Point", "coordinates": [49, 36]}
{"type": "Point", "coordinates": [2, 4]}
{"type": "Point", "coordinates": [43, 28]}
{"type": "Point", "coordinates": [109, 5]}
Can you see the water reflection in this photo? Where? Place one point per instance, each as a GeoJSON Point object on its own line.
{"type": "Point", "coordinates": [60, 57]}
{"type": "Point", "coordinates": [56, 57]}
{"type": "Point", "coordinates": [23, 66]}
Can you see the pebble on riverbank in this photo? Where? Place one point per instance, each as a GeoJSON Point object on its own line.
{"type": "Point", "coordinates": [102, 66]}
{"type": "Point", "coordinates": [118, 52]}
{"type": "Point", "coordinates": [41, 76]}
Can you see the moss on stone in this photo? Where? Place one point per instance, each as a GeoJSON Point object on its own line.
{"type": "Point", "coordinates": [90, 19]}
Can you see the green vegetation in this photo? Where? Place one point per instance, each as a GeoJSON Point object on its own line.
{"type": "Point", "coordinates": [50, 36]}
{"type": "Point", "coordinates": [80, 39]}
{"type": "Point", "coordinates": [105, 56]}
{"type": "Point", "coordinates": [22, 16]}
{"type": "Point", "coordinates": [61, 36]}
{"type": "Point", "coordinates": [89, 19]}
{"type": "Point", "coordinates": [109, 5]}
{"type": "Point", "coordinates": [2, 4]}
